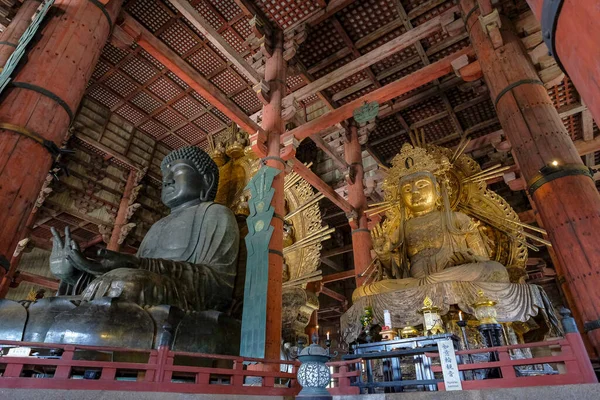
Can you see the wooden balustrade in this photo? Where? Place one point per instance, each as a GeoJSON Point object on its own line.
{"type": "Point", "coordinates": [568, 355]}
{"type": "Point", "coordinates": [161, 370]}
{"type": "Point", "coordinates": [164, 370]}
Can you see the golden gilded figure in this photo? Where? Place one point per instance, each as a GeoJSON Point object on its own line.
{"type": "Point", "coordinates": [445, 236]}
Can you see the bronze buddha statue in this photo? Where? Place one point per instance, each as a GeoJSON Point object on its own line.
{"type": "Point", "coordinates": [181, 277]}
{"type": "Point", "coordinates": [187, 259]}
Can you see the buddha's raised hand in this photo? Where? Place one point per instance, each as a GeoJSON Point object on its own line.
{"type": "Point", "coordinates": [60, 265]}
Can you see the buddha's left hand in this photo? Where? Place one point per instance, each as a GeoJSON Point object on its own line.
{"type": "Point", "coordinates": [464, 257]}
{"type": "Point", "coordinates": [106, 261]}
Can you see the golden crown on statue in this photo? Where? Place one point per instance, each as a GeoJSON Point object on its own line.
{"type": "Point", "coordinates": [413, 159]}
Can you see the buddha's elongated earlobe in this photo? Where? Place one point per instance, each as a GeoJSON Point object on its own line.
{"type": "Point", "coordinates": [209, 180]}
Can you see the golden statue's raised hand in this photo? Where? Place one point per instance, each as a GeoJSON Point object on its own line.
{"type": "Point", "coordinates": [382, 244]}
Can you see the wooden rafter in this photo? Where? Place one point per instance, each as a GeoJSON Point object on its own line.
{"type": "Point", "coordinates": [400, 43]}
{"type": "Point", "coordinates": [340, 276]}
{"type": "Point", "coordinates": [321, 186]}
{"type": "Point", "coordinates": [425, 60]}
{"type": "Point", "coordinates": [388, 92]}
{"type": "Point", "coordinates": [185, 72]}
{"type": "Point", "coordinates": [188, 11]}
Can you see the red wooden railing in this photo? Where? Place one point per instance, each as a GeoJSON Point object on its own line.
{"type": "Point", "coordinates": [342, 378]}
{"type": "Point", "coordinates": [164, 371]}
{"type": "Point", "coordinates": [569, 354]}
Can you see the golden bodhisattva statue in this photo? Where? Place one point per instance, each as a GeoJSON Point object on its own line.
{"type": "Point", "coordinates": [445, 236]}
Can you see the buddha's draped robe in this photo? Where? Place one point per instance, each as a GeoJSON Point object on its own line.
{"type": "Point", "coordinates": [187, 259]}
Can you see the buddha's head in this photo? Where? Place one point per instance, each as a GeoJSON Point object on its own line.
{"type": "Point", "coordinates": [420, 192]}
{"type": "Point", "coordinates": [189, 174]}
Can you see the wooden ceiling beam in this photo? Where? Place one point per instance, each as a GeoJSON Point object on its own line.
{"type": "Point", "coordinates": [424, 57]}
{"type": "Point", "coordinates": [333, 294]}
{"type": "Point", "coordinates": [39, 280]}
{"type": "Point", "coordinates": [383, 94]}
{"type": "Point", "coordinates": [186, 72]}
{"type": "Point", "coordinates": [320, 185]}
{"type": "Point", "coordinates": [400, 43]}
{"type": "Point", "coordinates": [194, 17]}
{"type": "Point", "coordinates": [420, 96]}
{"type": "Point", "coordinates": [570, 109]}
{"type": "Point", "coordinates": [482, 125]}
{"type": "Point", "coordinates": [332, 264]}
{"type": "Point", "coordinates": [340, 276]}
{"type": "Point", "coordinates": [338, 160]}
{"type": "Point", "coordinates": [110, 152]}
{"type": "Point", "coordinates": [332, 7]}
{"type": "Point", "coordinates": [336, 252]}
{"type": "Point", "coordinates": [587, 146]}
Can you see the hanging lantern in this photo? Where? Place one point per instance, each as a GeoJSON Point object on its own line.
{"type": "Point", "coordinates": [485, 310]}
{"type": "Point", "coordinates": [432, 322]}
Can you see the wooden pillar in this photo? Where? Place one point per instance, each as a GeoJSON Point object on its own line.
{"type": "Point", "coordinates": [576, 43]}
{"type": "Point", "coordinates": [121, 218]}
{"type": "Point", "coordinates": [274, 126]}
{"type": "Point", "coordinates": [361, 237]}
{"type": "Point", "coordinates": [10, 37]}
{"type": "Point", "coordinates": [41, 102]}
{"type": "Point", "coordinates": [566, 198]}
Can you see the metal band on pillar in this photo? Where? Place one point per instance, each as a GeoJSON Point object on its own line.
{"type": "Point", "coordinates": [277, 252]}
{"type": "Point", "coordinates": [550, 14]}
{"type": "Point", "coordinates": [4, 42]}
{"type": "Point", "coordinates": [514, 85]}
{"type": "Point", "coordinates": [47, 93]}
{"type": "Point", "coordinates": [106, 14]}
{"type": "Point", "coordinates": [548, 174]}
{"type": "Point", "coordinates": [591, 325]}
{"type": "Point", "coordinates": [278, 159]}
{"type": "Point", "coordinates": [49, 145]}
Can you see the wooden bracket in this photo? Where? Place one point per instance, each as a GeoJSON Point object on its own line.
{"type": "Point", "coordinates": [290, 110]}
{"type": "Point", "coordinates": [469, 72]}
{"type": "Point", "coordinates": [491, 24]}
{"type": "Point", "coordinates": [258, 143]}
{"type": "Point", "coordinates": [263, 91]}
{"type": "Point", "coordinates": [364, 131]}
{"type": "Point", "coordinates": [290, 144]}
{"type": "Point", "coordinates": [292, 41]}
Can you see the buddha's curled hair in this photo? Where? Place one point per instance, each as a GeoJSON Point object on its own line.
{"type": "Point", "coordinates": [201, 161]}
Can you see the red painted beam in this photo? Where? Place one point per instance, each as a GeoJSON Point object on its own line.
{"type": "Point", "coordinates": [121, 218]}
{"type": "Point", "coordinates": [401, 86]}
{"type": "Point", "coordinates": [321, 186]}
{"type": "Point", "coordinates": [340, 276]}
{"type": "Point", "coordinates": [333, 294]}
{"type": "Point", "coordinates": [38, 280]}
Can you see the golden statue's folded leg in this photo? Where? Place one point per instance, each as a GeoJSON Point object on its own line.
{"type": "Point", "coordinates": [515, 302]}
